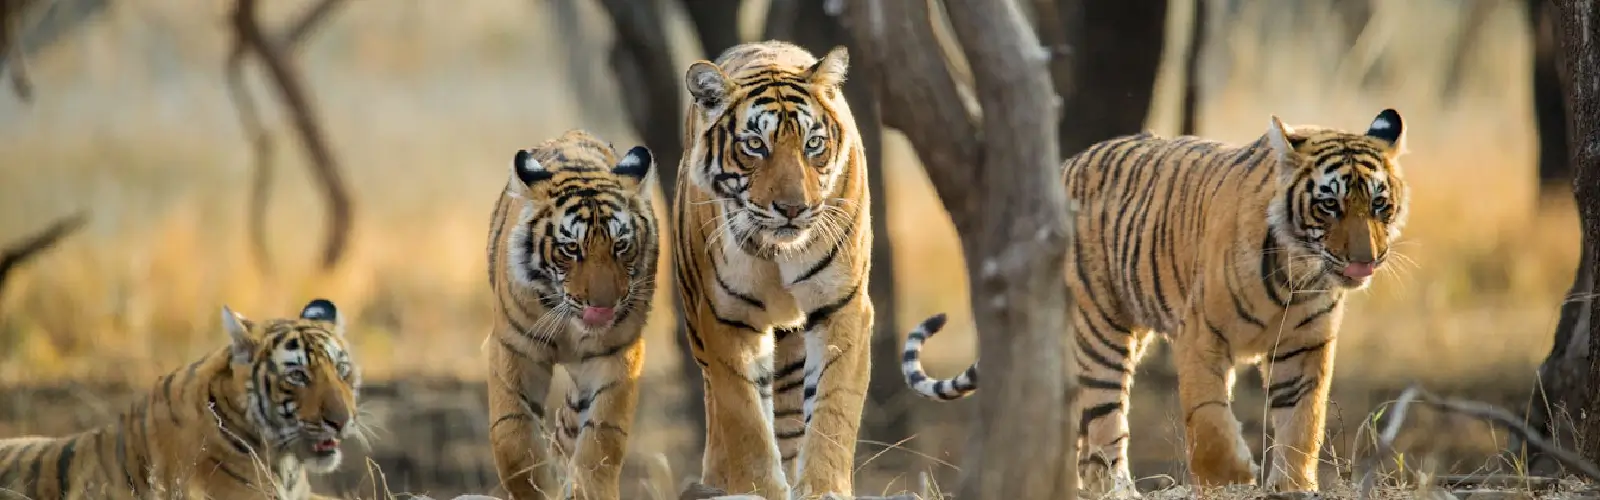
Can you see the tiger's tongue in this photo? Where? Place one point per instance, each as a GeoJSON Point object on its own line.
{"type": "Point", "coordinates": [1358, 270]}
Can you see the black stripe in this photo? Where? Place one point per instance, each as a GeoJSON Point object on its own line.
{"type": "Point", "coordinates": [1088, 350]}
{"type": "Point", "coordinates": [1297, 352]}
{"type": "Point", "coordinates": [35, 470]}
{"type": "Point", "coordinates": [743, 297]}
{"type": "Point", "coordinates": [608, 352]}
{"type": "Point", "coordinates": [64, 465]}
{"type": "Point", "coordinates": [1094, 413]}
{"type": "Point", "coordinates": [820, 314]}
{"type": "Point", "coordinates": [1089, 382]}
{"type": "Point", "coordinates": [1317, 314]}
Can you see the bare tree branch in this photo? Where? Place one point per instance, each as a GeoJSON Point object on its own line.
{"type": "Point", "coordinates": [255, 130]}
{"type": "Point", "coordinates": [35, 245]}
{"type": "Point", "coordinates": [292, 93]}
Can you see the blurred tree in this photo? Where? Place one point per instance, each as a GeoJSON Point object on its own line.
{"type": "Point", "coordinates": [1118, 42]}
{"type": "Point", "coordinates": [1571, 371]}
{"type": "Point", "coordinates": [1549, 104]}
{"type": "Point", "coordinates": [28, 26]}
{"type": "Point", "coordinates": [273, 52]}
{"type": "Point", "coordinates": [995, 170]}
{"type": "Point", "coordinates": [250, 119]}
{"type": "Point", "coordinates": [15, 254]}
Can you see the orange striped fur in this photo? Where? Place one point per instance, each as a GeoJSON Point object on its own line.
{"type": "Point", "coordinates": [1239, 254]}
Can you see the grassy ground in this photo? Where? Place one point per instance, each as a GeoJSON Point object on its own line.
{"type": "Point", "coordinates": [424, 101]}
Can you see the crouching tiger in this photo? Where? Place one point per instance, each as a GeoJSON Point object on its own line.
{"type": "Point", "coordinates": [246, 421]}
{"type": "Point", "coordinates": [572, 262]}
{"type": "Point", "coordinates": [1238, 255]}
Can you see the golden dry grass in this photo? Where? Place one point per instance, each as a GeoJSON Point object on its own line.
{"type": "Point", "coordinates": [424, 101]}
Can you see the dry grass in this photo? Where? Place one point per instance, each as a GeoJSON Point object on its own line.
{"type": "Point", "coordinates": [131, 122]}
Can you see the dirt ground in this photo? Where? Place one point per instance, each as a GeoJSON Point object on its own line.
{"type": "Point", "coordinates": [431, 434]}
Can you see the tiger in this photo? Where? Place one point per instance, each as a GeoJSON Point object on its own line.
{"type": "Point", "coordinates": [772, 250]}
{"type": "Point", "coordinates": [1235, 253]}
{"type": "Point", "coordinates": [572, 264]}
{"type": "Point", "coordinates": [247, 420]}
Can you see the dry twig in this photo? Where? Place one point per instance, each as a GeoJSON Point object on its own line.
{"type": "Point", "coordinates": [1452, 414]}
{"type": "Point", "coordinates": [20, 252]}
{"type": "Point", "coordinates": [249, 39]}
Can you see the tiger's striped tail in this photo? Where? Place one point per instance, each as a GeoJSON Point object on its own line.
{"type": "Point", "coordinates": [937, 389]}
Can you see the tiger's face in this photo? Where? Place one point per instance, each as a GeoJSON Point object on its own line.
{"type": "Point", "coordinates": [301, 383]}
{"type": "Point", "coordinates": [1343, 198]}
{"type": "Point", "coordinates": [584, 238]}
{"type": "Point", "coordinates": [773, 147]}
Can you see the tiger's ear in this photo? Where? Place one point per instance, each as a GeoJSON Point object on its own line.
{"type": "Point", "coordinates": [527, 172]}
{"type": "Point", "coordinates": [241, 342]}
{"type": "Point", "coordinates": [1388, 127]}
{"type": "Point", "coordinates": [829, 72]}
{"type": "Point", "coordinates": [707, 84]}
{"type": "Point", "coordinates": [635, 164]}
{"type": "Point", "coordinates": [324, 310]}
{"type": "Point", "coordinates": [1285, 141]}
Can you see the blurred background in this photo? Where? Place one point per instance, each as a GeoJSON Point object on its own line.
{"type": "Point", "coordinates": [419, 105]}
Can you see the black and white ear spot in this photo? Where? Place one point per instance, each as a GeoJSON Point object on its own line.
{"type": "Point", "coordinates": [528, 169]}
{"type": "Point", "coordinates": [707, 84]}
{"type": "Point", "coordinates": [635, 164]}
{"type": "Point", "coordinates": [1387, 127]}
{"type": "Point", "coordinates": [829, 72]}
{"type": "Point", "coordinates": [320, 310]}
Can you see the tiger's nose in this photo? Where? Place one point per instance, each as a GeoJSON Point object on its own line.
{"type": "Point", "coordinates": [336, 424]}
{"type": "Point", "coordinates": [790, 210]}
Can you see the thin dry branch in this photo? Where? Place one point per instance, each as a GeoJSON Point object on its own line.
{"type": "Point", "coordinates": [1451, 414]}
{"type": "Point", "coordinates": [255, 130]}
{"type": "Point", "coordinates": [21, 251]}
{"type": "Point", "coordinates": [291, 91]}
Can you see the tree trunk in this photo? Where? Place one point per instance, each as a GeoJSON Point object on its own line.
{"type": "Point", "coordinates": [1120, 43]}
{"type": "Point", "coordinates": [1004, 195]}
{"type": "Point", "coordinates": [1189, 121]}
{"type": "Point", "coordinates": [1549, 104]}
{"type": "Point", "coordinates": [809, 25]}
{"type": "Point", "coordinates": [1577, 28]}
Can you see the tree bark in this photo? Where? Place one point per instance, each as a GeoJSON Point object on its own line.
{"type": "Point", "coordinates": [716, 23]}
{"type": "Point", "coordinates": [1004, 195]}
{"type": "Point", "coordinates": [1577, 27]}
{"type": "Point", "coordinates": [1120, 43]}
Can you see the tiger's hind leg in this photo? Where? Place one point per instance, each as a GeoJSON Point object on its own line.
{"type": "Point", "coordinates": [1106, 355]}
{"type": "Point", "coordinates": [1217, 452]}
{"type": "Point", "coordinates": [1297, 379]}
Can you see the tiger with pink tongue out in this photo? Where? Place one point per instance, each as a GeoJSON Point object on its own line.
{"type": "Point", "coordinates": [572, 262]}
{"type": "Point", "coordinates": [1238, 254]}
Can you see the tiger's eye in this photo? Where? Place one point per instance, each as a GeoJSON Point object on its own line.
{"type": "Point", "coordinates": [815, 142]}
{"type": "Point", "coordinates": [753, 143]}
